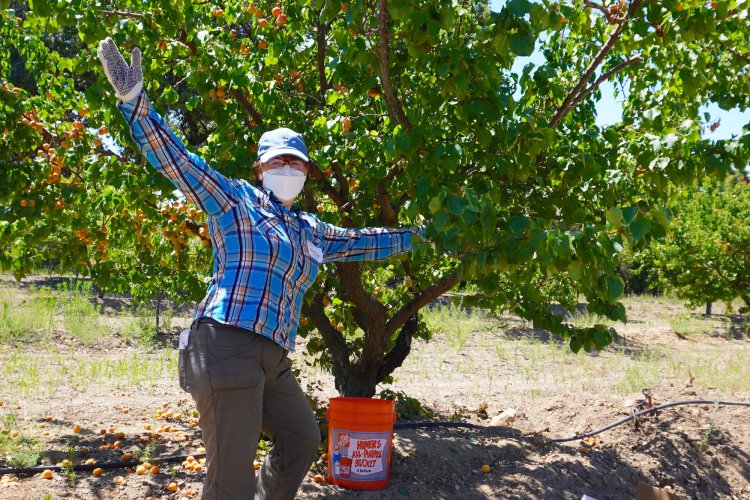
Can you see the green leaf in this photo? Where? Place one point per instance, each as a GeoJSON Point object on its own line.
{"type": "Point", "coordinates": [331, 8]}
{"type": "Point", "coordinates": [628, 214]}
{"type": "Point", "coordinates": [601, 338]}
{"type": "Point", "coordinates": [615, 287]}
{"type": "Point", "coordinates": [170, 95]}
{"type": "Point", "coordinates": [614, 217]}
{"type": "Point", "coordinates": [522, 44]}
{"type": "Point", "coordinates": [651, 114]}
{"type": "Point", "coordinates": [639, 228]}
{"type": "Point", "coordinates": [575, 270]}
{"type": "Point", "coordinates": [519, 8]}
{"type": "Point", "coordinates": [575, 344]}
{"type": "Point", "coordinates": [436, 203]}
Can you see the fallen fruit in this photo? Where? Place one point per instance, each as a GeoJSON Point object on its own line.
{"type": "Point", "coordinates": [319, 479]}
{"type": "Point", "coordinates": [98, 471]}
{"type": "Point", "coordinates": [172, 487]}
{"type": "Point", "coordinates": [47, 474]}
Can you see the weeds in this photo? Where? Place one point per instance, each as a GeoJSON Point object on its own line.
{"type": "Point", "coordinates": [17, 449]}
{"type": "Point", "coordinates": [147, 453]}
{"type": "Point", "coordinates": [407, 408]}
{"type": "Point", "coordinates": [80, 315]}
{"type": "Point", "coordinates": [589, 320]}
{"type": "Point", "coordinates": [457, 323]}
{"type": "Point", "coordinates": [67, 468]}
{"type": "Point", "coordinates": [142, 324]}
{"type": "Point", "coordinates": [686, 325]}
{"type": "Point", "coordinates": [28, 318]}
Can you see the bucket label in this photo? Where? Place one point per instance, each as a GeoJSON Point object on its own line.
{"type": "Point", "coordinates": [360, 455]}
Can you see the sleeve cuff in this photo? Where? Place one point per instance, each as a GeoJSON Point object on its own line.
{"type": "Point", "coordinates": [418, 230]}
{"type": "Point", "coordinates": [136, 108]}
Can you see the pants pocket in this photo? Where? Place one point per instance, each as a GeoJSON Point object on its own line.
{"type": "Point", "coordinates": [182, 368]}
{"type": "Point", "coordinates": [232, 368]}
{"type": "Point", "coordinates": [191, 365]}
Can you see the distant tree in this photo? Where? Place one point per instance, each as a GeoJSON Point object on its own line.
{"type": "Point", "coordinates": [706, 255]}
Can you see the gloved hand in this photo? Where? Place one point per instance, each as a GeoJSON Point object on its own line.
{"type": "Point", "coordinates": [126, 80]}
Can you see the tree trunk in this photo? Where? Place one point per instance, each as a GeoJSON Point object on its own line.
{"type": "Point", "coordinates": [362, 378]}
{"type": "Point", "coordinates": [708, 308]}
{"type": "Point", "coordinates": [158, 309]}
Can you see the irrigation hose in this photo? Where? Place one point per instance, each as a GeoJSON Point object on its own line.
{"type": "Point", "coordinates": [104, 465]}
{"type": "Point", "coordinates": [396, 426]}
{"type": "Point", "coordinates": [649, 410]}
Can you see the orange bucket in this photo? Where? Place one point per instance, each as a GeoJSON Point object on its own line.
{"type": "Point", "coordinates": [360, 431]}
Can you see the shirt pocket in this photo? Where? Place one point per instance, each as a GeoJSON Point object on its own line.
{"type": "Point", "coordinates": [234, 368]}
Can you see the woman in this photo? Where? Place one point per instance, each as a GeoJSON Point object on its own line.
{"type": "Point", "coordinates": [266, 254]}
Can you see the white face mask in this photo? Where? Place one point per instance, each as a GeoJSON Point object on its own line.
{"type": "Point", "coordinates": [285, 182]}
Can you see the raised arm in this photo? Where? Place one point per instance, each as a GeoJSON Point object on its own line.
{"type": "Point", "coordinates": [340, 244]}
{"type": "Point", "coordinates": [208, 189]}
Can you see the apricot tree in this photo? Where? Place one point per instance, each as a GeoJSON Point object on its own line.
{"type": "Point", "coordinates": [411, 111]}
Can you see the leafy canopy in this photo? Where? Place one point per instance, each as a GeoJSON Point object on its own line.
{"type": "Point", "coordinates": [411, 111]}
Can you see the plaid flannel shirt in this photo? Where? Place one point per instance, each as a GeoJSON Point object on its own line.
{"type": "Point", "coordinates": [265, 256]}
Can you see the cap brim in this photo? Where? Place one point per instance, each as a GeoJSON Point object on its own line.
{"type": "Point", "coordinates": [282, 151]}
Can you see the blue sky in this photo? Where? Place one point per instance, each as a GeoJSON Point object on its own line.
{"type": "Point", "coordinates": [609, 107]}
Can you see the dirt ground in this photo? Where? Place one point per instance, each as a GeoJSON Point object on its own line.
{"type": "Point", "coordinates": [693, 451]}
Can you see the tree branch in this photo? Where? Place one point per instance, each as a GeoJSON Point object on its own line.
{"type": "Point", "coordinates": [394, 105]}
{"type": "Point", "coordinates": [397, 354]}
{"type": "Point", "coordinates": [320, 38]}
{"type": "Point", "coordinates": [319, 175]}
{"type": "Point", "coordinates": [568, 103]}
{"type": "Point", "coordinates": [334, 341]}
{"type": "Point", "coordinates": [420, 300]}
{"type": "Point", "coordinates": [245, 102]}
{"type": "Point", "coordinates": [352, 291]}
{"type": "Point", "coordinates": [736, 54]}
{"type": "Point", "coordinates": [122, 13]}
{"type": "Point", "coordinates": [604, 78]}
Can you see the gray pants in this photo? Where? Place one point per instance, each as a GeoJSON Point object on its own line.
{"type": "Point", "coordinates": [242, 383]}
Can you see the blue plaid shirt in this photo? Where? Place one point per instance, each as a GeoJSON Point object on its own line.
{"type": "Point", "coordinates": [265, 256]}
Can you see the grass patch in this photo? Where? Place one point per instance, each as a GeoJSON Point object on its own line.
{"type": "Point", "coordinates": [686, 324]}
{"type": "Point", "coordinates": [17, 449]}
{"type": "Point", "coordinates": [141, 326]}
{"type": "Point", "coordinates": [457, 324]}
{"type": "Point", "coordinates": [46, 374]}
{"type": "Point", "coordinates": [589, 320]}
{"type": "Point", "coordinates": [30, 318]}
{"type": "Point", "coordinates": [80, 314]}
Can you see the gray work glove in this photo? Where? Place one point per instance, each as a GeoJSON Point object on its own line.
{"type": "Point", "coordinates": [126, 80]}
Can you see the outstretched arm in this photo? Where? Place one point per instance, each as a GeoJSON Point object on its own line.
{"type": "Point", "coordinates": [340, 244]}
{"type": "Point", "coordinates": [208, 189]}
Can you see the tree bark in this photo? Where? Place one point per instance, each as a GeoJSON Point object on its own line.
{"type": "Point", "coordinates": [158, 309]}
